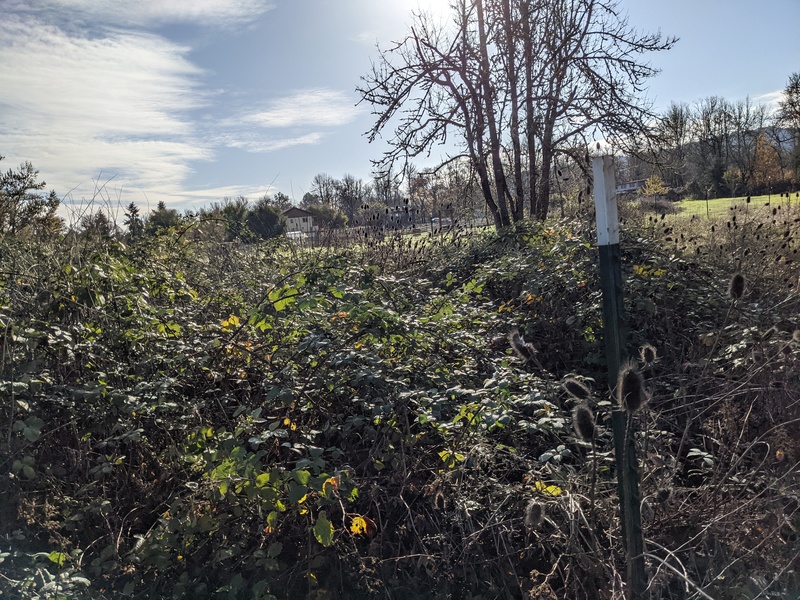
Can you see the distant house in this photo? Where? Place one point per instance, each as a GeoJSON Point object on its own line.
{"type": "Point", "coordinates": [630, 187]}
{"type": "Point", "coordinates": [298, 220]}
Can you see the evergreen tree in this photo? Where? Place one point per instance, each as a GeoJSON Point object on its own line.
{"type": "Point", "coordinates": [98, 226]}
{"type": "Point", "coordinates": [22, 207]}
{"type": "Point", "coordinates": [235, 212]}
{"type": "Point", "coordinates": [162, 218]}
{"type": "Point", "coordinates": [265, 221]}
{"type": "Point", "coordinates": [133, 221]}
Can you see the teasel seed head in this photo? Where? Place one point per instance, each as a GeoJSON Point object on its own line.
{"type": "Point", "coordinates": [736, 286]}
{"type": "Point", "coordinates": [648, 354]}
{"type": "Point", "coordinates": [583, 422]}
{"type": "Point", "coordinates": [526, 351]}
{"type": "Point", "coordinates": [631, 394]}
{"type": "Point", "coordinates": [576, 389]}
{"type": "Point", "coordinates": [534, 515]}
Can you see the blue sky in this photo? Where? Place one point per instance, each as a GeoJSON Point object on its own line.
{"type": "Point", "coordinates": [188, 101]}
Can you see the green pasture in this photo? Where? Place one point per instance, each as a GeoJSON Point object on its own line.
{"type": "Point", "coordinates": [721, 207]}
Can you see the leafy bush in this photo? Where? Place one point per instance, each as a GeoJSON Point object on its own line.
{"type": "Point", "coordinates": [192, 419]}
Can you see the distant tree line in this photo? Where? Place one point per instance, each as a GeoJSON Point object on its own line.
{"type": "Point", "coordinates": [520, 88]}
{"type": "Point", "coordinates": [719, 147]}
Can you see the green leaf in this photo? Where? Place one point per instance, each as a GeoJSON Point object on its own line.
{"type": "Point", "coordinates": [58, 558]}
{"type": "Point", "coordinates": [302, 477]}
{"type": "Point", "coordinates": [297, 493]}
{"type": "Point", "coordinates": [323, 530]}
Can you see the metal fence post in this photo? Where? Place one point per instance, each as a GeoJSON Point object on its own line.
{"type": "Point", "coordinates": [613, 318]}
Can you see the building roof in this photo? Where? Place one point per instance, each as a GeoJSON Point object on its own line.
{"type": "Point", "coordinates": [294, 212]}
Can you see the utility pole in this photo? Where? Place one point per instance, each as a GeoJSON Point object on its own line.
{"type": "Point", "coordinates": [605, 200]}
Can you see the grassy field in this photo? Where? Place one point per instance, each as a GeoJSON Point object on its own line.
{"type": "Point", "coordinates": [721, 207]}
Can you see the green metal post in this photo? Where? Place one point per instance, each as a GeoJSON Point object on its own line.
{"type": "Point", "coordinates": [613, 319]}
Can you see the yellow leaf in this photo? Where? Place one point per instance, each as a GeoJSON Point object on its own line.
{"type": "Point", "coordinates": [358, 526]}
{"type": "Point", "coordinates": [331, 484]}
{"type": "Point", "coordinates": [231, 321]}
{"type": "Point", "coordinates": [361, 525]}
{"type": "Point", "coordinates": [548, 490]}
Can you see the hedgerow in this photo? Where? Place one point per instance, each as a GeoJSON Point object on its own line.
{"type": "Point", "coordinates": [190, 419]}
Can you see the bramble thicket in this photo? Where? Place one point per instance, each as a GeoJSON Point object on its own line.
{"type": "Point", "coordinates": [188, 417]}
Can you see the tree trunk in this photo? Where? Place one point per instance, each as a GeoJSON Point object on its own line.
{"type": "Point", "coordinates": [518, 201]}
{"type": "Point", "coordinates": [501, 185]}
{"type": "Point", "coordinates": [543, 196]}
{"type": "Point", "coordinates": [530, 121]}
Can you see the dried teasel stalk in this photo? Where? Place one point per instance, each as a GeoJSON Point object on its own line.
{"type": "Point", "coordinates": [525, 350]}
{"type": "Point", "coordinates": [631, 394]}
{"type": "Point", "coordinates": [736, 286]}
{"type": "Point", "coordinates": [534, 515]}
{"type": "Point", "coordinates": [576, 389]}
{"type": "Point", "coordinates": [583, 422]}
{"type": "Point", "coordinates": [648, 355]}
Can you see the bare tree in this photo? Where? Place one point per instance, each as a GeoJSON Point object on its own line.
{"type": "Point", "coordinates": [789, 118]}
{"type": "Point", "coordinates": [747, 122]}
{"type": "Point", "coordinates": [323, 186]}
{"type": "Point", "coordinates": [386, 188]}
{"type": "Point", "coordinates": [711, 131]}
{"type": "Point", "coordinates": [550, 72]}
{"type": "Point", "coordinates": [351, 193]}
{"type": "Point", "coordinates": [673, 134]}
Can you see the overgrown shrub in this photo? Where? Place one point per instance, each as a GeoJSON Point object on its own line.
{"type": "Point", "coordinates": [191, 419]}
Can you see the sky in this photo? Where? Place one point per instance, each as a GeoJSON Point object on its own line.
{"type": "Point", "coordinates": [190, 101]}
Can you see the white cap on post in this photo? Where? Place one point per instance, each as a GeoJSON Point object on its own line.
{"type": "Point", "coordinates": [605, 200]}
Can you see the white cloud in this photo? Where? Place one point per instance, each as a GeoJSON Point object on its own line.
{"type": "Point", "coordinates": [313, 108]}
{"type": "Point", "coordinates": [78, 106]}
{"type": "Point", "coordinates": [251, 143]}
{"type": "Point", "coordinates": [771, 99]}
{"type": "Point", "coordinates": [149, 12]}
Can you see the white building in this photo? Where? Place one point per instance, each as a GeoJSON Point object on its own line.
{"type": "Point", "coordinates": [298, 220]}
{"type": "Point", "coordinates": [630, 186]}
